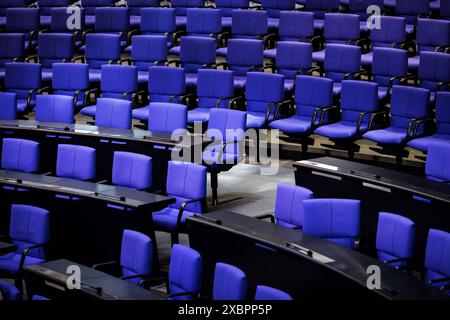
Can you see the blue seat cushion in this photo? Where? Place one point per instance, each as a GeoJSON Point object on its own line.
{"type": "Point", "coordinates": [337, 87]}
{"type": "Point", "coordinates": [175, 50]}
{"type": "Point", "coordinates": [382, 93]}
{"type": "Point", "coordinates": [181, 21]}
{"type": "Point", "coordinates": [141, 113]}
{"type": "Point", "coordinates": [240, 82]}
{"type": "Point", "coordinates": [289, 85]}
{"type": "Point", "coordinates": [166, 219]}
{"type": "Point", "coordinates": [366, 59]}
{"type": "Point", "coordinates": [256, 120]}
{"type": "Point", "coordinates": [294, 124]}
{"type": "Point", "coordinates": [89, 111]}
{"type": "Point", "coordinates": [339, 130]}
{"type": "Point", "coordinates": [198, 115]}
{"type": "Point", "coordinates": [423, 143]}
{"type": "Point", "coordinates": [47, 74]}
{"type": "Point", "coordinates": [135, 21]}
{"type": "Point", "coordinates": [414, 62]}
{"type": "Point", "coordinates": [191, 79]}
{"type": "Point", "coordinates": [270, 54]}
{"type": "Point", "coordinates": [388, 136]}
{"type": "Point", "coordinates": [95, 75]}
{"type": "Point", "coordinates": [142, 76]}
{"type": "Point", "coordinates": [319, 56]}
{"type": "Point", "coordinates": [222, 52]}
{"type": "Point", "coordinates": [318, 24]}
{"type": "Point", "coordinates": [22, 105]}
{"type": "Point", "coordinates": [9, 263]}
{"type": "Point", "coordinates": [226, 22]}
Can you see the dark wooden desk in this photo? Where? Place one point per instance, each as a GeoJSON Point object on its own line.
{"type": "Point", "coordinates": [425, 202]}
{"type": "Point", "coordinates": [87, 218]}
{"type": "Point", "coordinates": [6, 248]}
{"type": "Point", "coordinates": [49, 279]}
{"type": "Point", "coordinates": [306, 267]}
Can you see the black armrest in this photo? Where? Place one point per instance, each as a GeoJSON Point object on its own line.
{"type": "Point", "coordinates": [396, 260]}
{"type": "Point", "coordinates": [441, 84]}
{"type": "Point", "coordinates": [34, 58]}
{"type": "Point", "coordinates": [84, 33]}
{"type": "Point", "coordinates": [268, 111]}
{"type": "Point", "coordinates": [234, 101]}
{"type": "Point", "coordinates": [325, 111]}
{"type": "Point", "coordinates": [130, 35]}
{"type": "Point", "coordinates": [89, 92]}
{"type": "Point", "coordinates": [310, 71]}
{"type": "Point", "coordinates": [269, 40]}
{"type": "Point", "coordinates": [177, 36]}
{"type": "Point", "coordinates": [184, 98]}
{"type": "Point", "coordinates": [266, 216]}
{"type": "Point", "coordinates": [270, 66]}
{"type": "Point", "coordinates": [79, 58]}
{"type": "Point", "coordinates": [176, 62]}
{"type": "Point", "coordinates": [25, 253]}
{"type": "Point", "coordinates": [137, 94]}
{"type": "Point", "coordinates": [353, 75]}
{"type": "Point", "coordinates": [146, 283]}
{"type": "Point", "coordinates": [221, 64]}
{"type": "Point", "coordinates": [364, 43]}
{"type": "Point", "coordinates": [360, 120]}
{"type": "Point", "coordinates": [419, 122]}
{"type": "Point", "coordinates": [127, 60]}
{"type": "Point", "coordinates": [316, 41]}
{"type": "Point", "coordinates": [219, 101]}
{"type": "Point", "coordinates": [172, 98]}
{"type": "Point", "coordinates": [279, 106]}
{"type": "Point", "coordinates": [374, 116]}
{"type": "Point", "coordinates": [439, 280]}
{"type": "Point", "coordinates": [111, 267]}
{"type": "Point", "coordinates": [183, 207]}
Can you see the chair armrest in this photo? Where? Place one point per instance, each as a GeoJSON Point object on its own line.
{"type": "Point", "coordinates": [220, 64]}
{"type": "Point", "coordinates": [374, 116]}
{"type": "Point", "coordinates": [255, 68]}
{"type": "Point", "coordinates": [360, 120]}
{"type": "Point", "coordinates": [222, 39]}
{"type": "Point", "coordinates": [396, 260]}
{"type": "Point", "coordinates": [279, 106]}
{"type": "Point", "coordinates": [130, 34]}
{"type": "Point", "coordinates": [184, 98]}
{"type": "Point", "coordinates": [269, 40]}
{"type": "Point", "coordinates": [354, 75]}
{"type": "Point", "coordinates": [316, 41]}
{"type": "Point", "coordinates": [34, 58]}
{"type": "Point", "coordinates": [137, 94]}
{"type": "Point", "coordinates": [172, 98]}
{"type": "Point", "coordinates": [176, 37]}
{"type": "Point", "coordinates": [176, 62]}
{"type": "Point", "coordinates": [419, 122]}
{"type": "Point", "coordinates": [219, 101]}
{"type": "Point", "coordinates": [25, 253]}
{"type": "Point", "coordinates": [89, 92]}
{"type": "Point", "coordinates": [268, 111]}
{"type": "Point", "coordinates": [234, 101]}
{"type": "Point", "coordinates": [444, 48]}
{"type": "Point", "coordinates": [160, 62]}
{"type": "Point", "coordinates": [266, 216]}
{"type": "Point", "coordinates": [325, 111]}
{"type": "Point", "coordinates": [183, 207]}
{"type": "Point", "coordinates": [84, 33]}
{"type": "Point", "coordinates": [364, 43]}
{"type": "Point", "coordinates": [108, 267]}
{"type": "Point", "coordinates": [439, 280]}
{"type": "Point", "coordinates": [79, 58]}
{"type": "Point", "coordinates": [146, 283]}
{"type": "Point", "coordinates": [310, 71]}
{"type": "Point", "coordinates": [441, 84]}
{"type": "Point", "coordinates": [409, 46]}
{"type": "Point", "coordinates": [127, 60]}
{"type": "Point", "coordinates": [270, 66]}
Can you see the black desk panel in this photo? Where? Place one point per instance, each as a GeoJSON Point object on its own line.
{"type": "Point", "coordinates": [50, 280]}
{"type": "Point", "coordinates": [425, 202]}
{"type": "Point", "coordinates": [306, 267]}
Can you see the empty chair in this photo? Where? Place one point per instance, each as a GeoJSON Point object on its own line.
{"type": "Point", "coordinates": [186, 183]}
{"type": "Point", "coordinates": [227, 7]}
{"type": "Point", "coordinates": [114, 20]}
{"type": "Point", "coordinates": [294, 26]}
{"type": "Point", "coordinates": [408, 106]}
{"type": "Point", "coordinates": [45, 9]}
{"type": "Point", "coordinates": [437, 259]}
{"type": "Point", "coordinates": [72, 79]}
{"type": "Point", "coordinates": [360, 7]}
{"type": "Point", "coordinates": [55, 108]}
{"type": "Point", "coordinates": [167, 117]}
{"type": "Point", "coordinates": [434, 72]}
{"type": "Point", "coordinates": [136, 6]}
{"type": "Point", "coordinates": [113, 113]}
{"type": "Point", "coordinates": [230, 283]}
{"type": "Point", "coordinates": [244, 56]}
{"type": "Point", "coordinates": [136, 258]}
{"type": "Point", "coordinates": [313, 95]}
{"type": "Point", "coordinates": [410, 10]}
{"type": "Point", "coordinates": [117, 82]}
{"type": "Point", "coordinates": [389, 66]}
{"type": "Point", "coordinates": [76, 162]}
{"type": "Point", "coordinates": [274, 9]}
{"type": "Point", "coordinates": [30, 232]}
{"type": "Point", "coordinates": [289, 208]}
{"type": "Point", "coordinates": [336, 220]}
{"type": "Point", "coordinates": [185, 273]}
{"type": "Point", "coordinates": [442, 117]}
{"type": "Point", "coordinates": [269, 293]}
{"type": "Point", "coordinates": [215, 89]}
{"type": "Point", "coordinates": [12, 49]}
{"type": "Point", "coordinates": [8, 292]}
{"type": "Point", "coordinates": [8, 109]}
{"type": "Point", "coordinates": [159, 21]}
{"type": "Point", "coordinates": [319, 8]}
{"type": "Point", "coordinates": [91, 5]}
{"type": "Point", "coordinates": [25, 80]}
{"type": "Point", "coordinates": [59, 19]}
{"type": "Point", "coordinates": [438, 159]}
{"type": "Point", "coordinates": [444, 11]}
{"type": "Point", "coordinates": [24, 21]}
{"type": "Point", "coordinates": [165, 84]}
{"type": "Point", "coordinates": [432, 35]}
{"type": "Point", "coordinates": [395, 239]}
{"type": "Point", "coordinates": [132, 170]}
{"type": "Point", "coordinates": [5, 4]}
{"type": "Point", "coordinates": [181, 7]}
{"type": "Point", "coordinates": [359, 104]}
{"type": "Point", "coordinates": [20, 155]}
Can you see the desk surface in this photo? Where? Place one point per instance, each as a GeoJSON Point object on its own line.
{"type": "Point", "coordinates": [112, 288]}
{"type": "Point", "coordinates": [382, 176]}
{"type": "Point", "coordinates": [6, 247]}
{"type": "Point", "coordinates": [349, 263]}
{"type": "Point", "coordinates": [112, 194]}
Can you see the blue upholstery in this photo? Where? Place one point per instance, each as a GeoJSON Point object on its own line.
{"type": "Point", "coordinates": [8, 292]}
{"type": "Point", "coordinates": [434, 68]}
{"type": "Point", "coordinates": [113, 20]}
{"type": "Point", "coordinates": [311, 95]}
{"type": "Point", "coordinates": [148, 51]}
{"type": "Point", "coordinates": [71, 79]}
{"type": "Point", "coordinates": [230, 283]}
{"type": "Point", "coordinates": [113, 113]}
{"type": "Point", "coordinates": [274, 9]}
{"type": "Point", "coordinates": [360, 7]}
{"type": "Point", "coordinates": [227, 7]}
{"type": "Point", "coordinates": [132, 170]}
{"type": "Point", "coordinates": [289, 208]}
{"type": "Point", "coordinates": [393, 31]}
{"type": "Point", "coordinates": [410, 10]}
{"type": "Point", "coordinates": [356, 97]}
{"type": "Point", "coordinates": [269, 293]}
{"type": "Point", "coordinates": [12, 46]}
{"type": "Point", "coordinates": [336, 220]}
{"type": "Point", "coordinates": [437, 163]}
{"type": "Point", "coordinates": [185, 181]}
{"type": "Point", "coordinates": [101, 49]}
{"type": "Point", "coordinates": [76, 162]}
{"type": "Point", "coordinates": [20, 155]}
{"type": "Point", "coordinates": [445, 10]}
{"type": "Point", "coordinates": [158, 21]}
{"type": "Point", "coordinates": [136, 255]}
{"type": "Point", "coordinates": [407, 104]}
{"type": "Point", "coordinates": [25, 21]}
{"type": "Point", "coordinates": [319, 8]}
{"type": "Point", "coordinates": [29, 226]}
{"type": "Point", "coordinates": [137, 5]}
{"type": "Point", "coordinates": [243, 56]}
{"type": "Point", "coordinates": [91, 5]}
{"type": "Point", "coordinates": [264, 91]}
{"type": "Point", "coordinates": [46, 6]}
{"type": "Point", "coordinates": [204, 22]}
{"type": "Point", "coordinates": [185, 272]}
{"type": "Point", "coordinates": [181, 7]}
{"type": "Point", "coordinates": [39, 298]}
{"type": "Point", "coordinates": [395, 238]}
{"type": "Point", "coordinates": [20, 78]}
{"type": "Point", "coordinates": [59, 18]}
{"type": "Point", "coordinates": [53, 48]}
{"type": "Point", "coordinates": [437, 257]}
{"type": "Point", "coordinates": [8, 109]}
{"type": "Point", "coordinates": [167, 117]}
{"type": "Point", "coordinates": [212, 86]}
{"type": "Point", "coordinates": [54, 108]}
{"type": "Point", "coordinates": [442, 117]}
{"type": "Point", "coordinates": [166, 84]}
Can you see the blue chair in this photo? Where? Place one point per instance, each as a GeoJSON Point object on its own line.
{"type": "Point", "coordinates": [409, 109]}
{"type": "Point", "coordinates": [12, 49]}
{"type": "Point", "coordinates": [20, 155]}
{"type": "Point", "coordinates": [166, 117]}
{"type": "Point", "coordinates": [228, 128]}
{"type": "Point", "coordinates": [117, 82]}
{"type": "Point", "coordinates": [132, 170]}
{"type": "Point", "coordinates": [8, 292]}
{"type": "Point", "coordinates": [186, 183]}
{"type": "Point", "coordinates": [114, 20]}
{"type": "Point", "coordinates": [313, 100]}
{"type": "Point", "coordinates": [24, 21]}
{"type": "Point", "coordinates": [91, 5]}
{"type": "Point", "coordinates": [244, 56]}
{"type": "Point", "coordinates": [227, 7]}
{"type": "Point", "coordinates": [76, 162]}
{"type": "Point", "coordinates": [319, 8]}
{"type": "Point", "coordinates": [113, 113]}
{"type": "Point", "coordinates": [59, 18]}
{"type": "Point", "coordinates": [395, 239]}
{"type": "Point", "coordinates": [269, 294]}
{"type": "Point", "coordinates": [442, 117]}
{"type": "Point", "coordinates": [136, 258]}
{"type": "Point", "coordinates": [72, 80]}
{"type": "Point", "coordinates": [8, 102]}
{"type": "Point", "coordinates": [5, 4]}
{"type": "Point", "coordinates": [411, 10]}
{"type": "Point", "coordinates": [24, 79]}
{"type": "Point", "coordinates": [54, 108]}
{"type": "Point", "coordinates": [166, 84]}
{"type": "Point", "coordinates": [444, 11]}
{"type": "Point", "coordinates": [181, 7]}
{"type": "Point", "coordinates": [230, 283]}
{"type": "Point", "coordinates": [159, 21]}
{"type": "Point", "coordinates": [39, 298]}
{"type": "Point", "coordinates": [289, 209]}
{"type": "Point", "coordinates": [438, 159]}
{"type": "Point", "coordinates": [360, 7]}
{"type": "Point", "coordinates": [336, 220]}
{"type": "Point", "coordinates": [136, 6]}
{"type": "Point", "coordinates": [434, 72]}
{"type": "Point", "coordinates": [185, 273]}
{"type": "Point", "coordinates": [437, 260]}
{"type": "Point", "coordinates": [215, 89]}
{"type": "Point", "coordinates": [274, 9]}
{"type": "Point", "coordinates": [359, 107]}
{"type": "Point", "coordinates": [45, 9]}
{"type": "Point", "coordinates": [30, 232]}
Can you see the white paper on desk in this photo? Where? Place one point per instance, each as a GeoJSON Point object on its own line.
{"type": "Point", "coordinates": [319, 165]}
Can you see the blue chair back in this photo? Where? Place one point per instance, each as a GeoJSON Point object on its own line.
{"type": "Point", "coordinates": [167, 117]}
{"type": "Point", "coordinates": [340, 28]}
{"type": "Point", "coordinates": [341, 59]}
{"type": "Point", "coordinates": [264, 90]}
{"type": "Point", "coordinates": [136, 257]}
{"type": "Point", "coordinates": [132, 170]}
{"type": "Point", "coordinates": [289, 208]}
{"type": "Point", "coordinates": [388, 63]}
{"type": "Point", "coordinates": [45, 6]}
{"type": "Point", "coordinates": [443, 112]}
{"type": "Point", "coordinates": [22, 20]}
{"type": "Point", "coordinates": [146, 50]}
{"type": "Point", "coordinates": [8, 292]}
{"type": "Point", "coordinates": [20, 155]}
{"type": "Point", "coordinates": [91, 5]}
{"type": "Point", "coordinates": [137, 5]}
{"type": "Point", "coordinates": [21, 77]}
{"type": "Point", "coordinates": [195, 52]}
{"type": "Point", "coordinates": [295, 25]}
{"type": "Point", "coordinates": [358, 97]}
{"type": "Point", "coordinates": [432, 33]}
{"type": "Point", "coordinates": [55, 108]}
{"type": "Point", "coordinates": [166, 84]}
{"type": "Point", "coordinates": [12, 46]}
{"type": "Point", "coordinates": [269, 293]}
{"type": "Point", "coordinates": [230, 283]}
{"type": "Point", "coordinates": [112, 19]}
{"type": "Point", "coordinates": [434, 68]}
{"type": "Point", "coordinates": [113, 113]}
{"type": "Point", "coordinates": [228, 6]}
{"type": "Point", "coordinates": [8, 102]}
{"type": "Point", "coordinates": [311, 93]}
{"type": "Point", "coordinates": [213, 85]}
{"type": "Point", "coordinates": [292, 57]}
{"type": "Point", "coordinates": [243, 54]}
{"type": "Point", "coordinates": [158, 21]}
{"type": "Point", "coordinates": [117, 80]}
{"type": "Point", "coordinates": [438, 161]}
{"type": "Point", "coordinates": [249, 24]}
{"type": "Point", "coordinates": [393, 31]}
{"type": "Point", "coordinates": [320, 7]}
{"type": "Point", "coordinates": [275, 7]}
{"type": "Point", "coordinates": [54, 47]}
{"type": "Point", "coordinates": [102, 49]}
{"type": "Point", "coordinates": [203, 22]}
{"type": "Point", "coordinates": [410, 10]}
{"type": "Point", "coordinates": [408, 103]}
{"type": "Point", "coordinates": [71, 79]}
{"type": "Point", "coordinates": [76, 162]}
{"type": "Point", "coordinates": [437, 257]}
